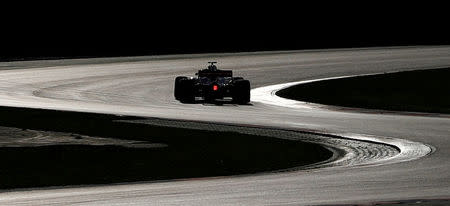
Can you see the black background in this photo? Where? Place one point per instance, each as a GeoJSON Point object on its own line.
{"type": "Point", "coordinates": [85, 30]}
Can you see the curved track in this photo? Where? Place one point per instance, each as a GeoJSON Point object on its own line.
{"type": "Point", "coordinates": [143, 86]}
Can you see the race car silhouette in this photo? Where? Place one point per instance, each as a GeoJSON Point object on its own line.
{"type": "Point", "coordinates": [211, 85]}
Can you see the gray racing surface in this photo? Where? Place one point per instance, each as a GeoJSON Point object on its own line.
{"type": "Point", "coordinates": [143, 86]}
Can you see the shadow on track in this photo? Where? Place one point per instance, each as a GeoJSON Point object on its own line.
{"type": "Point", "coordinates": [413, 91]}
{"type": "Point", "coordinates": [187, 153]}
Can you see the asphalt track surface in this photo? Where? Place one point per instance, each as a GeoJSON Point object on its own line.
{"type": "Point", "coordinates": [143, 86]}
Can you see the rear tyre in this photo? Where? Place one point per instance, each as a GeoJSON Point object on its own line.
{"type": "Point", "coordinates": [185, 90]}
{"type": "Point", "coordinates": [241, 91]}
{"type": "Point", "coordinates": [177, 89]}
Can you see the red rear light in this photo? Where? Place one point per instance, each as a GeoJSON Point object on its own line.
{"type": "Point", "coordinates": [215, 87]}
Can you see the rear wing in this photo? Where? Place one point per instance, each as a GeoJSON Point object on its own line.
{"type": "Point", "coordinates": [214, 74]}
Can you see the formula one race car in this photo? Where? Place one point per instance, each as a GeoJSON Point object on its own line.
{"type": "Point", "coordinates": [212, 84]}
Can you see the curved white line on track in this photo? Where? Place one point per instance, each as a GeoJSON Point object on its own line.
{"type": "Point", "coordinates": [267, 94]}
{"type": "Point", "coordinates": [347, 151]}
{"type": "Point", "coordinates": [409, 150]}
